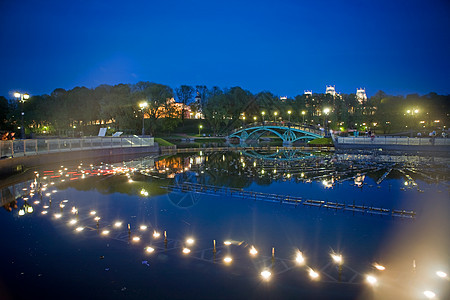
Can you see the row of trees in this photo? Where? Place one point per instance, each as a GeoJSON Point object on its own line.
{"type": "Point", "coordinates": [82, 110]}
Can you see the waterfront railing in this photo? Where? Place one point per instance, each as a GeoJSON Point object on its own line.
{"type": "Point", "coordinates": [390, 140]}
{"type": "Point", "coordinates": [28, 147]}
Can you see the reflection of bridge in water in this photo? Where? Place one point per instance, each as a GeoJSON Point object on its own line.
{"type": "Point", "coordinates": [279, 154]}
{"type": "Point", "coordinates": [289, 132]}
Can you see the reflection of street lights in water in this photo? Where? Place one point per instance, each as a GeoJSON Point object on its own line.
{"type": "Point", "coordinates": [21, 98]}
{"type": "Point", "coordinates": [143, 105]}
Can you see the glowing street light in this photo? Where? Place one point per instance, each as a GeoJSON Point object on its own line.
{"type": "Point", "coordinates": [200, 127]}
{"type": "Point", "coordinates": [275, 114]}
{"type": "Point", "coordinates": [21, 98]}
{"type": "Point", "coordinates": [143, 105]}
{"type": "Point", "coordinates": [326, 111]}
{"type": "Point", "coordinates": [263, 113]}
{"type": "Point", "coordinates": [289, 114]}
{"type": "Point", "coordinates": [303, 115]}
{"type": "Point", "coordinates": [227, 260]}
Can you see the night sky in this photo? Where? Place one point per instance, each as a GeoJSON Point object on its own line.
{"type": "Point", "coordinates": [281, 46]}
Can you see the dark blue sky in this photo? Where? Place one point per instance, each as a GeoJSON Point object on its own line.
{"type": "Point", "coordinates": [282, 46]}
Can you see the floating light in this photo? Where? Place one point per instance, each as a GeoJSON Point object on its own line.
{"type": "Point", "coordinates": [136, 239]}
{"type": "Point", "coordinates": [227, 259]}
{"type": "Point", "coordinates": [227, 243]}
{"type": "Point", "coordinates": [371, 279]}
{"type": "Point", "coordinates": [79, 229]}
{"type": "Point", "coordinates": [441, 274]}
{"type": "Point", "coordinates": [337, 258]}
{"type": "Point", "coordinates": [186, 250]}
{"type": "Point", "coordinates": [190, 241]}
{"type": "Point", "coordinates": [253, 251]}
{"type": "Point", "coordinates": [72, 222]}
{"type": "Point", "coordinates": [313, 274]}
{"type": "Point", "coordinates": [156, 234]}
{"type": "Point", "coordinates": [117, 224]}
{"type": "Point", "coordinates": [149, 249]}
{"type": "Point", "coordinates": [379, 267]}
{"type": "Point", "coordinates": [299, 258]}
{"type": "Point", "coordinates": [143, 227]}
{"type": "Point", "coordinates": [265, 274]}
{"type": "Point", "coordinates": [57, 216]}
{"type": "Point", "coordinates": [429, 294]}
{"type": "Point", "coordinates": [105, 232]}
{"type": "Point", "coordinates": [44, 212]}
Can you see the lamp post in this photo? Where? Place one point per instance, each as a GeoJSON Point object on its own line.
{"type": "Point", "coordinates": [21, 98]}
{"type": "Point", "coordinates": [263, 114]}
{"type": "Point", "coordinates": [275, 116]}
{"type": "Point", "coordinates": [289, 115]}
{"type": "Point", "coordinates": [303, 114]}
{"type": "Point", "coordinates": [326, 112]}
{"type": "Point", "coordinates": [199, 129]}
{"type": "Point", "coordinates": [143, 105]}
{"type": "Point", "coordinates": [413, 113]}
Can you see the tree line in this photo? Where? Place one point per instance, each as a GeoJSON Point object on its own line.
{"type": "Point", "coordinates": [81, 111]}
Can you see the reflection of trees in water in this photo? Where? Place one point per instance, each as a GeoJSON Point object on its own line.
{"type": "Point", "coordinates": [234, 169]}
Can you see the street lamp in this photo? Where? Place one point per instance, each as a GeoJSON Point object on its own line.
{"type": "Point", "coordinates": [275, 116]}
{"type": "Point", "coordinates": [143, 105]}
{"type": "Point", "coordinates": [413, 113]}
{"type": "Point", "coordinates": [21, 98]}
{"type": "Point", "coordinates": [326, 112]}
{"type": "Point", "coordinates": [200, 128]}
{"type": "Point", "coordinates": [263, 114]}
{"type": "Point", "coordinates": [289, 114]}
{"type": "Point", "coordinates": [303, 114]}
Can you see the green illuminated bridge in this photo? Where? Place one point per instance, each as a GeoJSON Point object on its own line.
{"type": "Point", "coordinates": [287, 132]}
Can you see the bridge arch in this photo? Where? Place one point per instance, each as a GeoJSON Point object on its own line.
{"type": "Point", "coordinates": [285, 133]}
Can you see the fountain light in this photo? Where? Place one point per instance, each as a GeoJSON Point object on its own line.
{"type": "Point", "coordinates": [379, 267]}
{"type": "Point", "coordinates": [118, 224]}
{"type": "Point", "coordinates": [156, 234]}
{"type": "Point", "coordinates": [149, 249]}
{"type": "Point", "coordinates": [429, 294]}
{"type": "Point", "coordinates": [441, 274]}
{"type": "Point", "coordinates": [79, 229]}
{"type": "Point", "coordinates": [253, 251]}
{"type": "Point", "coordinates": [186, 250]}
{"type": "Point", "coordinates": [190, 241]}
{"type": "Point", "coordinates": [227, 243]}
{"type": "Point", "coordinates": [265, 274]}
{"type": "Point", "coordinates": [143, 227]}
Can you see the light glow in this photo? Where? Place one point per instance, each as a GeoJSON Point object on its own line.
{"type": "Point", "coordinates": [79, 229]}
{"type": "Point", "coordinates": [227, 259]}
{"type": "Point", "coordinates": [299, 258]}
{"type": "Point", "coordinates": [313, 274]}
{"type": "Point", "coordinates": [379, 267]}
{"type": "Point", "coordinates": [117, 224]}
{"type": "Point", "coordinates": [227, 243]}
{"type": "Point", "coordinates": [371, 279]}
{"type": "Point", "coordinates": [190, 241]}
{"type": "Point", "coordinates": [441, 274]}
{"type": "Point", "coordinates": [149, 249]}
{"type": "Point", "coordinates": [136, 239]}
{"type": "Point", "coordinates": [186, 250]}
{"type": "Point", "coordinates": [253, 251]}
{"type": "Point", "coordinates": [429, 294]}
{"type": "Point", "coordinates": [337, 258]}
{"type": "Point", "coordinates": [143, 227]}
{"type": "Point", "coordinates": [266, 274]}
{"type": "Point", "coordinates": [105, 232]}
{"type": "Point", "coordinates": [156, 234]}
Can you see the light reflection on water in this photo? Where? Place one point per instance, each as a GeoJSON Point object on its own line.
{"type": "Point", "coordinates": [135, 193]}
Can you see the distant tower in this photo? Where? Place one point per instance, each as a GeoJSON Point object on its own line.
{"type": "Point", "coordinates": [283, 98]}
{"type": "Point", "coordinates": [307, 93]}
{"type": "Point", "coordinates": [331, 90]}
{"type": "Point", "coordinates": [361, 95]}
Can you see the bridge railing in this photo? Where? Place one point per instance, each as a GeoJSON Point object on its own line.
{"type": "Point", "coordinates": [17, 148]}
{"type": "Point", "coordinates": [307, 128]}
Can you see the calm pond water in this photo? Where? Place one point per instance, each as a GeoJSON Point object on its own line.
{"type": "Point", "coordinates": [283, 225]}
